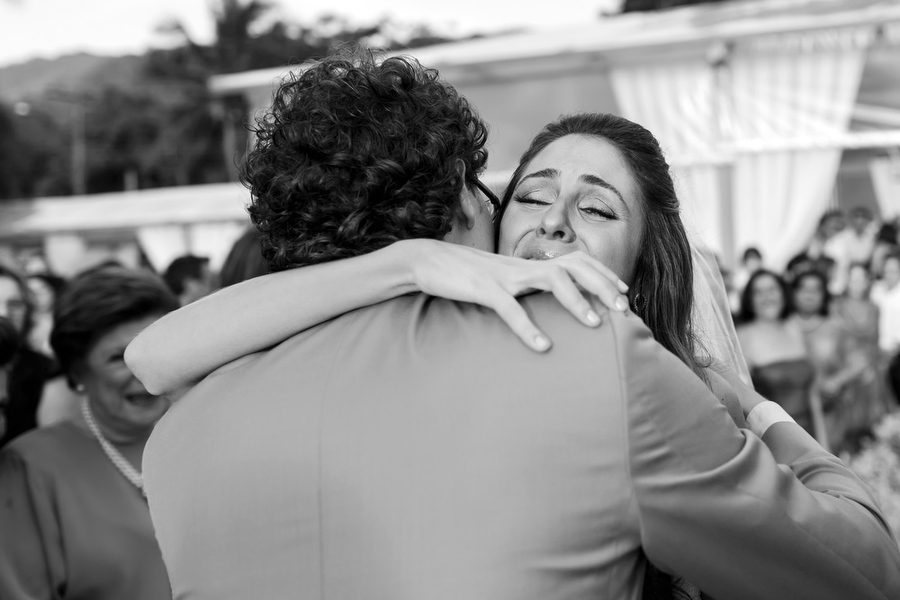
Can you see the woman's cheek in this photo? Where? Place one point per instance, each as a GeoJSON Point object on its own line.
{"type": "Point", "coordinates": [506, 243]}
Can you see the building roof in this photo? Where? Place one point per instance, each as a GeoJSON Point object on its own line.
{"type": "Point", "coordinates": [620, 35]}
{"type": "Point", "coordinates": [124, 210]}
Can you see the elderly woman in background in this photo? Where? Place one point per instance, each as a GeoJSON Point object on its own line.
{"type": "Point", "coordinates": [838, 370]}
{"type": "Point", "coordinates": [74, 518]}
{"type": "Point", "coordinates": [774, 347]}
{"type": "Point", "coordinates": [30, 369]}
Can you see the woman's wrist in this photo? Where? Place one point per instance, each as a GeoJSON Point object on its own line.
{"type": "Point", "coordinates": [764, 415]}
{"type": "Point", "coordinates": [403, 264]}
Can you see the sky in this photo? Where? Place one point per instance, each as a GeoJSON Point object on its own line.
{"type": "Point", "coordinates": [50, 28]}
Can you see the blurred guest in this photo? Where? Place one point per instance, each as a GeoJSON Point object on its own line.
{"type": "Point", "coordinates": [858, 312]}
{"type": "Point", "coordinates": [886, 243]}
{"type": "Point", "coordinates": [803, 262]}
{"type": "Point", "coordinates": [189, 278]}
{"type": "Point", "coordinates": [889, 279]}
{"type": "Point", "coordinates": [860, 236]}
{"type": "Point", "coordinates": [774, 347]}
{"type": "Point", "coordinates": [751, 262]}
{"type": "Point", "coordinates": [853, 244]}
{"type": "Point", "coordinates": [828, 235]}
{"type": "Point", "coordinates": [74, 518]}
{"type": "Point", "coordinates": [828, 345]}
{"type": "Point", "coordinates": [30, 368]}
{"type": "Point", "coordinates": [826, 250]}
{"type": "Point", "coordinates": [44, 287]}
{"type": "Point", "coordinates": [860, 317]}
{"type": "Point", "coordinates": [9, 342]}
{"type": "Point", "coordinates": [57, 401]}
{"type": "Point", "coordinates": [886, 294]}
{"type": "Point", "coordinates": [244, 261]}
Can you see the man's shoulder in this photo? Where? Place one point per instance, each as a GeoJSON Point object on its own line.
{"type": "Point", "coordinates": [426, 332]}
{"type": "Point", "coordinates": [420, 320]}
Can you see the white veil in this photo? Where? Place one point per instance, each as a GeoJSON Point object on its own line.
{"type": "Point", "coordinates": [713, 324]}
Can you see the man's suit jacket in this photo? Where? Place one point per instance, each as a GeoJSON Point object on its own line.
{"type": "Point", "coordinates": [416, 450]}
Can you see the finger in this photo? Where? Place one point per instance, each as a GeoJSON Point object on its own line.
{"type": "Point", "coordinates": [597, 284]}
{"type": "Point", "coordinates": [568, 294]}
{"type": "Point", "coordinates": [512, 313]}
{"type": "Point", "coordinates": [601, 268]}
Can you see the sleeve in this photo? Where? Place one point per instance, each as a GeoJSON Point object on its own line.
{"type": "Point", "coordinates": [30, 551]}
{"type": "Point", "coordinates": [716, 508]}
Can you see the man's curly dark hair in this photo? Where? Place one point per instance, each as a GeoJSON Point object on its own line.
{"type": "Point", "coordinates": [355, 154]}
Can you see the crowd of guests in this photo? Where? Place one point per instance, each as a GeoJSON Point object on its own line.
{"type": "Point", "coordinates": [74, 421]}
{"type": "Point", "coordinates": [822, 337]}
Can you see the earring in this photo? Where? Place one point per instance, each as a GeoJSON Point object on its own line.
{"type": "Point", "coordinates": [639, 303]}
{"type": "Point", "coordinates": [79, 388]}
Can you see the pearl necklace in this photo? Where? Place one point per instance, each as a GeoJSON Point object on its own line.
{"type": "Point", "coordinates": [114, 456]}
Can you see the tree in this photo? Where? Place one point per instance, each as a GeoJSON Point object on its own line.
{"type": "Point", "coordinates": [202, 121]}
{"type": "Point", "coordinates": [244, 41]}
{"type": "Point", "coordinates": [33, 154]}
{"type": "Point", "coordinates": [163, 127]}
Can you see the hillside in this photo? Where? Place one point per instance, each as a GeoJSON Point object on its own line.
{"type": "Point", "coordinates": [73, 72]}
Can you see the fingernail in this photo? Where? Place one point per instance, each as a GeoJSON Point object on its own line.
{"type": "Point", "coordinates": [592, 318]}
{"type": "Point", "coordinates": [622, 303]}
{"type": "Point", "coordinates": [541, 342]}
{"type": "Point", "coordinates": [623, 287]}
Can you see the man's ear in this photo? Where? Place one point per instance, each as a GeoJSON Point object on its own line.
{"type": "Point", "coordinates": [467, 210]}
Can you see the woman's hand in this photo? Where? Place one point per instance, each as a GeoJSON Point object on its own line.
{"type": "Point", "coordinates": [469, 275]}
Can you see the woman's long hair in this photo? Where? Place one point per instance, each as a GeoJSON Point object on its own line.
{"type": "Point", "coordinates": [662, 289]}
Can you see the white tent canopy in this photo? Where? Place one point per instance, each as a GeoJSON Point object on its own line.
{"type": "Point", "coordinates": [168, 222]}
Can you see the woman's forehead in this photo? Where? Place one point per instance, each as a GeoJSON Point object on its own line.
{"type": "Point", "coordinates": [580, 156]}
{"type": "Point", "coordinates": [580, 150]}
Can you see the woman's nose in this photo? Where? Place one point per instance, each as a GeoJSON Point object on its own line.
{"type": "Point", "coordinates": [555, 224]}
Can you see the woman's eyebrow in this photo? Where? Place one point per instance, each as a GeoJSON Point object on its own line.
{"type": "Point", "coordinates": [543, 173]}
{"type": "Point", "coordinates": [594, 180]}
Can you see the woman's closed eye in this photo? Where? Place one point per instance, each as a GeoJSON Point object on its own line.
{"type": "Point", "coordinates": [592, 208]}
{"type": "Point", "coordinates": [600, 211]}
{"type": "Point", "coordinates": [532, 200]}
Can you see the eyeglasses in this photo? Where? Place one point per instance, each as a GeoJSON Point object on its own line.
{"type": "Point", "coordinates": [493, 200]}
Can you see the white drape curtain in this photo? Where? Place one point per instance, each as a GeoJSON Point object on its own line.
{"type": "Point", "coordinates": [676, 103]}
{"type": "Point", "coordinates": [779, 195]}
{"type": "Point", "coordinates": [885, 175]}
{"type": "Point", "coordinates": [728, 130]}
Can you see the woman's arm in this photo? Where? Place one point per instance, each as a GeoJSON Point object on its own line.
{"type": "Point", "coordinates": [186, 345]}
